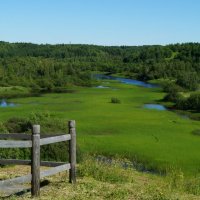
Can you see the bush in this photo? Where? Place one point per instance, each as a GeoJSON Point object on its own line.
{"type": "Point", "coordinates": [172, 97]}
{"type": "Point", "coordinates": [18, 125]}
{"type": "Point", "coordinates": [196, 132]}
{"type": "Point", "coordinates": [171, 87]}
{"type": "Point", "coordinates": [3, 129]}
{"type": "Point", "coordinates": [115, 100]}
{"type": "Point", "coordinates": [194, 101]}
{"type": "Point", "coordinates": [172, 92]}
{"type": "Point", "coordinates": [49, 124]}
{"type": "Point", "coordinates": [182, 103]}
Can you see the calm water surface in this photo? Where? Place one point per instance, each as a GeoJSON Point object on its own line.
{"type": "Point", "coordinates": [5, 104]}
{"type": "Point", "coordinates": [142, 84]}
{"type": "Point", "coordinates": [155, 107]}
{"type": "Point", "coordinates": [126, 81]}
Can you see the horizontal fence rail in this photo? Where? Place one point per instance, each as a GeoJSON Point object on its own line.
{"type": "Point", "coordinates": [34, 141]}
{"type": "Point", "coordinates": [18, 180]}
{"type": "Point", "coordinates": [28, 144]}
{"type": "Point", "coordinates": [24, 136]}
{"type": "Point", "coordinates": [13, 189]}
{"type": "Point", "coordinates": [55, 170]}
{"type": "Point", "coordinates": [55, 139]}
{"type": "Point", "coordinates": [28, 178]}
{"type": "Point", "coordinates": [15, 144]}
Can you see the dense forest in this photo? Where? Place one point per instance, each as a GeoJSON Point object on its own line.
{"type": "Point", "coordinates": [46, 67]}
{"type": "Point", "coordinates": [58, 65]}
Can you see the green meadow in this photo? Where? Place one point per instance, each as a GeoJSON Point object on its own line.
{"type": "Point", "coordinates": [157, 140]}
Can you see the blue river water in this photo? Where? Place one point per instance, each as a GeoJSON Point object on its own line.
{"type": "Point", "coordinates": [4, 104]}
{"type": "Point", "coordinates": [126, 81]}
{"type": "Point", "coordinates": [155, 106]}
{"type": "Point", "coordinates": [133, 82]}
{"type": "Point", "coordinates": [138, 83]}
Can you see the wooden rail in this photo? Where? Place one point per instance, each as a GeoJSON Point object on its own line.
{"type": "Point", "coordinates": [34, 142]}
{"type": "Point", "coordinates": [15, 144]}
{"type": "Point", "coordinates": [23, 136]}
{"type": "Point", "coordinates": [55, 139]}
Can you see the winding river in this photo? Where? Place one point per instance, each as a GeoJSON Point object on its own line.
{"type": "Point", "coordinates": [126, 81]}
{"type": "Point", "coordinates": [4, 103]}
{"type": "Point", "coordinates": [133, 82]}
{"type": "Point", "coordinates": [141, 84]}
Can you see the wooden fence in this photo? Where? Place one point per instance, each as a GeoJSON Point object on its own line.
{"type": "Point", "coordinates": [34, 141]}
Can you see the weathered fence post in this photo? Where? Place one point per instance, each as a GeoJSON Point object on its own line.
{"type": "Point", "coordinates": [35, 162]}
{"type": "Point", "coordinates": [72, 151]}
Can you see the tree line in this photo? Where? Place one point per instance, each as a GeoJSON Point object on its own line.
{"type": "Point", "coordinates": [48, 66]}
{"type": "Point", "coordinates": [66, 63]}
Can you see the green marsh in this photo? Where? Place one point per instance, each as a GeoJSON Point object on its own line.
{"type": "Point", "coordinates": [160, 140]}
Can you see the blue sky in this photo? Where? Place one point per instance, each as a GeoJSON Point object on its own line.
{"type": "Point", "coordinates": [102, 22]}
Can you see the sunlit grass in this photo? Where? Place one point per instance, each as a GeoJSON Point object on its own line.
{"type": "Point", "coordinates": [98, 180]}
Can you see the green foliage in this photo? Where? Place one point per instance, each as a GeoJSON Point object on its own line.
{"type": "Point", "coordinates": [188, 80]}
{"type": "Point", "coordinates": [171, 87]}
{"type": "Point", "coordinates": [49, 124]}
{"type": "Point", "coordinates": [45, 67]}
{"type": "Point", "coordinates": [177, 181]}
{"type": "Point", "coordinates": [14, 91]}
{"type": "Point", "coordinates": [103, 172]}
{"type": "Point", "coordinates": [190, 103]}
{"type": "Point", "coordinates": [182, 103]}
{"type": "Point", "coordinates": [3, 128]}
{"type": "Point", "coordinates": [194, 101]}
{"type": "Point", "coordinates": [115, 100]}
{"type": "Point", "coordinates": [15, 153]}
{"type": "Point", "coordinates": [196, 132]}
{"type": "Point", "coordinates": [172, 95]}
{"type": "Point", "coordinates": [18, 125]}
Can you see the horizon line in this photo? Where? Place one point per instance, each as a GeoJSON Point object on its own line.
{"type": "Point", "coordinates": [91, 44]}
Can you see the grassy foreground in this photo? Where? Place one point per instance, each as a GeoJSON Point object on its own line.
{"type": "Point", "coordinates": [102, 181]}
{"type": "Point", "coordinates": [157, 140]}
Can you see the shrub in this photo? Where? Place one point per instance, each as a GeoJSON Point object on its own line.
{"type": "Point", "coordinates": [172, 97]}
{"type": "Point", "coordinates": [115, 100]}
{"type": "Point", "coordinates": [3, 129]}
{"type": "Point", "coordinates": [196, 132]}
{"type": "Point", "coordinates": [182, 103]}
{"type": "Point", "coordinates": [18, 125]}
{"type": "Point", "coordinates": [49, 124]}
{"type": "Point", "coordinates": [171, 87]}
{"type": "Point", "coordinates": [172, 92]}
{"type": "Point", "coordinates": [194, 101]}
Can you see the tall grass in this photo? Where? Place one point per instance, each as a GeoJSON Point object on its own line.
{"type": "Point", "coordinates": [154, 139]}
{"type": "Point", "coordinates": [100, 180]}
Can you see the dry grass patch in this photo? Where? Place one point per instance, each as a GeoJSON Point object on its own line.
{"type": "Point", "coordinates": [100, 181]}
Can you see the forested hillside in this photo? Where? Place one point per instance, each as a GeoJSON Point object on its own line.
{"type": "Point", "coordinates": [48, 66]}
